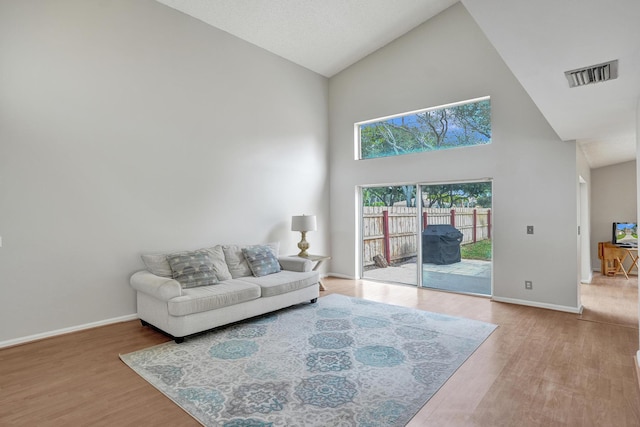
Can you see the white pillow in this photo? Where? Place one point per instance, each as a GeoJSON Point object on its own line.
{"type": "Point", "coordinates": [157, 264]}
{"type": "Point", "coordinates": [219, 264]}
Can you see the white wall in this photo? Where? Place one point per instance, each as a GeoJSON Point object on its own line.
{"type": "Point", "coordinates": [128, 127]}
{"type": "Point", "coordinates": [445, 60]}
{"type": "Point", "coordinates": [614, 198]}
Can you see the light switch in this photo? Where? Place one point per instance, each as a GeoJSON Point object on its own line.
{"type": "Point", "coordinates": [529, 229]}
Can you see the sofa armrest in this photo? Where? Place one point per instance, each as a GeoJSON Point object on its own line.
{"type": "Point", "coordinates": [294, 263]}
{"type": "Point", "coordinates": [162, 288]}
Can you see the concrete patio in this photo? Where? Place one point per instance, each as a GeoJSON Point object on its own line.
{"type": "Point", "coordinates": [466, 276]}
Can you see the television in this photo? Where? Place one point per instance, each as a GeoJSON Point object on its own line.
{"type": "Point", "coordinates": [625, 234]}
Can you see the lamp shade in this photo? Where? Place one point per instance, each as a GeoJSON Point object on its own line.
{"type": "Point", "coordinates": [303, 223]}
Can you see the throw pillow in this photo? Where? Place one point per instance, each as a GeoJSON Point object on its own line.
{"type": "Point", "coordinates": [219, 264]}
{"type": "Point", "coordinates": [157, 264]}
{"type": "Point", "coordinates": [261, 260]}
{"type": "Point", "coordinates": [236, 261]}
{"type": "Point", "coordinates": [192, 269]}
{"type": "Point", "coordinates": [275, 248]}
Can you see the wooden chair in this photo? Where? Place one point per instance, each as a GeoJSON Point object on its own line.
{"type": "Point", "coordinates": [613, 261]}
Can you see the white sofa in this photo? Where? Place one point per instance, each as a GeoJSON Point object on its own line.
{"type": "Point", "coordinates": [240, 290]}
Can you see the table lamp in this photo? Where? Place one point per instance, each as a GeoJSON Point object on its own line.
{"type": "Point", "coordinates": [303, 223]}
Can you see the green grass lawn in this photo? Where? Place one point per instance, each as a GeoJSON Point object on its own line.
{"type": "Point", "coordinates": [480, 250]}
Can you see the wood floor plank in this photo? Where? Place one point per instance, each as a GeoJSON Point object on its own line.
{"type": "Point", "coordinates": [540, 367]}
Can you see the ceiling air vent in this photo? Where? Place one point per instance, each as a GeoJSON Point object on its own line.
{"type": "Point", "coordinates": [593, 74]}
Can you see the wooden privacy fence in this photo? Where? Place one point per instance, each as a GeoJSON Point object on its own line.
{"type": "Point", "coordinates": [391, 230]}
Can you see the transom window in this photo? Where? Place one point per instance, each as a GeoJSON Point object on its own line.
{"type": "Point", "coordinates": [462, 124]}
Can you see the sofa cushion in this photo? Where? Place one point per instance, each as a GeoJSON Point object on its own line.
{"type": "Point", "coordinates": [192, 269]}
{"type": "Point", "coordinates": [237, 263]}
{"type": "Point", "coordinates": [283, 282]}
{"type": "Point", "coordinates": [205, 298]}
{"type": "Point", "coordinates": [261, 260]}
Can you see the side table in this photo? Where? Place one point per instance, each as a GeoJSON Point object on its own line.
{"type": "Point", "coordinates": [318, 259]}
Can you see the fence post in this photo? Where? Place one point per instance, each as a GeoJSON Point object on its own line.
{"type": "Point", "coordinates": [489, 223]}
{"type": "Point", "coordinates": [453, 217]}
{"type": "Point", "coordinates": [385, 230]}
{"type": "Point", "coordinates": [475, 224]}
{"type": "Point", "coordinates": [424, 220]}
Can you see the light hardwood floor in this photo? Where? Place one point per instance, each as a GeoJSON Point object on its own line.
{"type": "Point", "coordinates": [539, 368]}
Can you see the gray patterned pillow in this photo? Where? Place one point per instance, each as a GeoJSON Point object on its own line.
{"type": "Point", "coordinates": [236, 261]}
{"type": "Point", "coordinates": [261, 259]}
{"type": "Point", "coordinates": [192, 269]}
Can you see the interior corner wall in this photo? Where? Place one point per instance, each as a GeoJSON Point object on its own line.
{"type": "Point", "coordinates": [129, 127]}
{"type": "Point", "coordinates": [585, 247]}
{"type": "Point", "coordinates": [448, 59]}
{"type": "Point", "coordinates": [614, 198]}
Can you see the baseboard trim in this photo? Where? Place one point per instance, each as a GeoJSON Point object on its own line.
{"type": "Point", "coordinates": [567, 309]}
{"type": "Point", "coordinates": [341, 276]}
{"type": "Point", "coordinates": [49, 334]}
{"type": "Point", "coordinates": [589, 279]}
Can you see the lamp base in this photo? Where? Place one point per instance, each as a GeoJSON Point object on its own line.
{"type": "Point", "coordinates": [303, 245]}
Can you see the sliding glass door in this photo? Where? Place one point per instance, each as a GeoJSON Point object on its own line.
{"type": "Point", "coordinates": [389, 230]}
{"type": "Point", "coordinates": [432, 235]}
{"type": "Point", "coordinates": [456, 237]}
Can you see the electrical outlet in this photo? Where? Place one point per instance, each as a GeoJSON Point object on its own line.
{"type": "Point", "coordinates": [528, 284]}
{"type": "Point", "coordinates": [529, 229]}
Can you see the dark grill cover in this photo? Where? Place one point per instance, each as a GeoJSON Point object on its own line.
{"type": "Point", "coordinates": [441, 244]}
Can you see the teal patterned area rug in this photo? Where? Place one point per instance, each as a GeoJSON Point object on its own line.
{"type": "Point", "coordinates": [340, 362]}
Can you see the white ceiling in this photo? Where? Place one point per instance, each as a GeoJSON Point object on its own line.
{"type": "Point", "coordinates": [538, 40]}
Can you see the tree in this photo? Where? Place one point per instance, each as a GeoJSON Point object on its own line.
{"type": "Point", "coordinates": [449, 195]}
{"type": "Point", "coordinates": [434, 129]}
{"type": "Point", "coordinates": [475, 117]}
{"type": "Point", "coordinates": [442, 195]}
{"type": "Point", "coordinates": [389, 196]}
{"type": "Point", "coordinates": [436, 124]}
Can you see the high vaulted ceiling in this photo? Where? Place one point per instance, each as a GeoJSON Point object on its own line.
{"type": "Point", "coordinates": [538, 40]}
